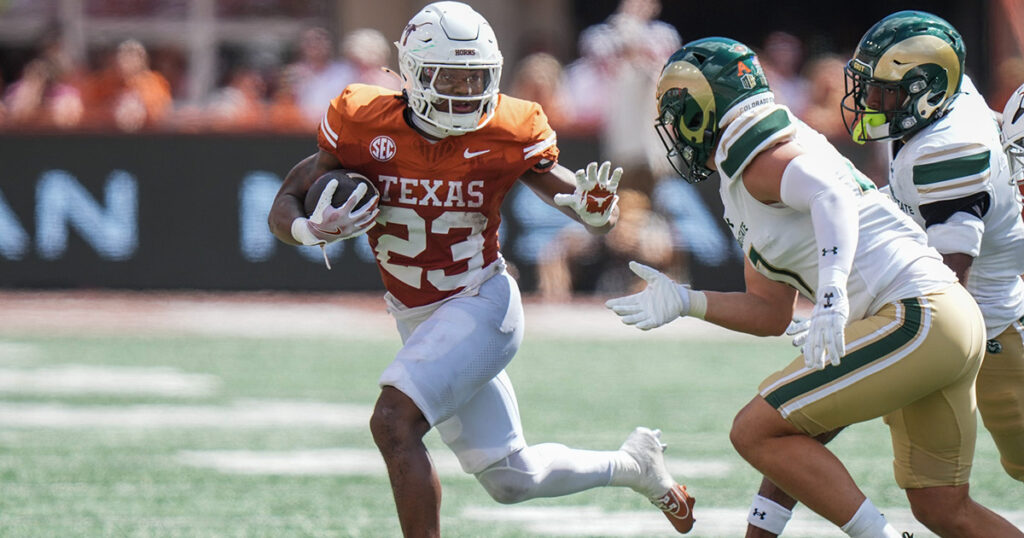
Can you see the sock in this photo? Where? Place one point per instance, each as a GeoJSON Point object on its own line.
{"type": "Point", "coordinates": [625, 469]}
{"type": "Point", "coordinates": [768, 515]}
{"type": "Point", "coordinates": [868, 522]}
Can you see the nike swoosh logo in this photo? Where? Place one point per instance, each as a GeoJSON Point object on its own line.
{"type": "Point", "coordinates": [336, 231]}
{"type": "Point", "coordinates": [470, 154]}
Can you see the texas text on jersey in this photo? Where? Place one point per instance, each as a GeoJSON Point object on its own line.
{"type": "Point", "coordinates": [437, 232]}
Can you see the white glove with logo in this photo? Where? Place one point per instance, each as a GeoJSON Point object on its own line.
{"type": "Point", "coordinates": [825, 339]}
{"type": "Point", "coordinates": [661, 301]}
{"type": "Point", "coordinates": [595, 196]}
{"type": "Point", "coordinates": [328, 224]}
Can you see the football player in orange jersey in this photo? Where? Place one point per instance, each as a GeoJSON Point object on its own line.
{"type": "Point", "coordinates": [443, 154]}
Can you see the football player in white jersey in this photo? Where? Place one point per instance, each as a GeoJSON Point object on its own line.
{"type": "Point", "coordinates": [443, 154]}
{"type": "Point", "coordinates": [892, 333]}
{"type": "Point", "coordinates": [947, 171]}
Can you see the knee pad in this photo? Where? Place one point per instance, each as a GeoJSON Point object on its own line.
{"type": "Point", "coordinates": [510, 480]}
{"type": "Point", "coordinates": [528, 473]}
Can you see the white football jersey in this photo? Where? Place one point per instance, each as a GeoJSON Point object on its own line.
{"type": "Point", "coordinates": [892, 260]}
{"type": "Point", "coordinates": [957, 156]}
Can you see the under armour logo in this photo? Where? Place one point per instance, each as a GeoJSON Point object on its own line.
{"type": "Point", "coordinates": [824, 251]}
{"type": "Point", "coordinates": [828, 300]}
{"type": "Point", "coordinates": [759, 514]}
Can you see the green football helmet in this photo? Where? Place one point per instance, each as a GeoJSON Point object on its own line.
{"type": "Point", "coordinates": [906, 70]}
{"type": "Point", "coordinates": [702, 83]}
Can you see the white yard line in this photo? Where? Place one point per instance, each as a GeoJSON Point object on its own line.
{"type": "Point", "coordinates": [80, 379]}
{"type": "Point", "coordinates": [275, 315]}
{"type": "Point", "coordinates": [238, 414]}
{"type": "Point", "coordinates": [18, 354]}
{"type": "Point", "coordinates": [711, 521]}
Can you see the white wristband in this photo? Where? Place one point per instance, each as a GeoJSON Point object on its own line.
{"type": "Point", "coordinates": [698, 303]}
{"type": "Point", "coordinates": [768, 515]}
{"type": "Point", "coordinates": [301, 233]}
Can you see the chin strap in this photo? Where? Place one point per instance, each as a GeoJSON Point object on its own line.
{"type": "Point", "coordinates": [428, 128]}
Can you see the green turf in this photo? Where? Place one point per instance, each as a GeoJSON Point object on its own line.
{"type": "Point", "coordinates": [98, 482]}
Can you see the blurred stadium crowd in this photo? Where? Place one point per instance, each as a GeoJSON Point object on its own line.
{"type": "Point", "coordinates": [135, 84]}
{"type": "Point", "coordinates": [140, 85]}
{"type": "Point", "coordinates": [128, 90]}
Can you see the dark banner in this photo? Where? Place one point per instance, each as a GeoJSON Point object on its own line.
{"type": "Point", "coordinates": [190, 212]}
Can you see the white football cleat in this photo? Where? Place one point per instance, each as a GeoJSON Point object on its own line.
{"type": "Point", "coordinates": [644, 445]}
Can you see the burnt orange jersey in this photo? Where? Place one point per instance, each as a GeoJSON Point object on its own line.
{"type": "Point", "coordinates": [438, 226]}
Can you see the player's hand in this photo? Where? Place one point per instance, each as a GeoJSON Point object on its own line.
{"type": "Point", "coordinates": [797, 328]}
{"type": "Point", "coordinates": [595, 196]}
{"type": "Point", "coordinates": [825, 338]}
{"type": "Point", "coordinates": [328, 224]}
{"type": "Point", "coordinates": [661, 301]}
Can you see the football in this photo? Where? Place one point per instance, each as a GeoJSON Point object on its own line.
{"type": "Point", "coordinates": [347, 181]}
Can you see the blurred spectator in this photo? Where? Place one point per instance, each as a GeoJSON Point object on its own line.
{"type": "Point", "coordinates": [826, 87]}
{"type": "Point", "coordinates": [172, 63]}
{"type": "Point", "coordinates": [368, 52]}
{"type": "Point", "coordinates": [538, 78]}
{"type": "Point", "coordinates": [126, 93]}
{"type": "Point", "coordinates": [240, 105]}
{"type": "Point", "coordinates": [41, 99]}
{"type": "Point", "coordinates": [578, 261]}
{"type": "Point", "coordinates": [1009, 74]}
{"type": "Point", "coordinates": [641, 46]}
{"type": "Point", "coordinates": [586, 79]}
{"type": "Point", "coordinates": [781, 57]}
{"type": "Point", "coordinates": [283, 112]}
{"type": "Point", "coordinates": [321, 77]}
{"type": "Point", "coordinates": [53, 48]}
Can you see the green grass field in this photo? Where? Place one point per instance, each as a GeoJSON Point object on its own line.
{"type": "Point", "coordinates": [267, 437]}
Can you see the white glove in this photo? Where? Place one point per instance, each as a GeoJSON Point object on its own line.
{"type": "Point", "coordinates": [661, 301]}
{"type": "Point", "coordinates": [595, 196]}
{"type": "Point", "coordinates": [798, 330]}
{"type": "Point", "coordinates": [328, 224]}
{"type": "Point", "coordinates": [825, 339]}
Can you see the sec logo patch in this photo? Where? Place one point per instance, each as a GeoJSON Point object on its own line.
{"type": "Point", "coordinates": [382, 148]}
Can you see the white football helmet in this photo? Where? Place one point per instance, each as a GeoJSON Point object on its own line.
{"type": "Point", "coordinates": [450, 63]}
{"type": "Point", "coordinates": [1013, 134]}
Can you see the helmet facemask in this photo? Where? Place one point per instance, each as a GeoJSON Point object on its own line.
{"type": "Point", "coordinates": [687, 132]}
{"type": "Point", "coordinates": [1015, 154]}
{"type": "Point", "coordinates": [455, 98]}
{"type": "Point", "coordinates": [1013, 135]}
{"type": "Point", "coordinates": [875, 110]}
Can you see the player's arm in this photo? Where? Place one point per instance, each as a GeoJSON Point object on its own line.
{"type": "Point", "coordinates": [955, 228]}
{"type": "Point", "coordinates": [953, 184]}
{"type": "Point", "coordinates": [288, 202]}
{"type": "Point", "coordinates": [811, 183]}
{"type": "Point", "coordinates": [764, 309]}
{"type": "Point", "coordinates": [569, 193]}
